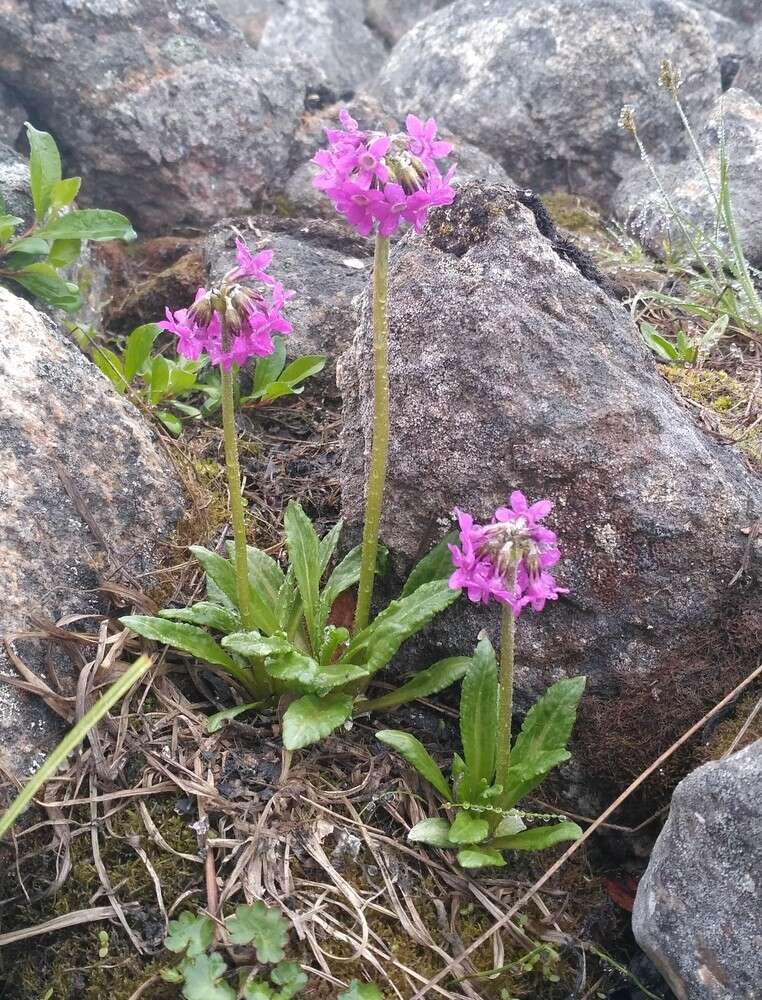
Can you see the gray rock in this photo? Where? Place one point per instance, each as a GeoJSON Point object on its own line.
{"type": "Point", "coordinates": [640, 206]}
{"type": "Point", "coordinates": [392, 18]}
{"type": "Point", "coordinates": [330, 37]}
{"type": "Point", "coordinates": [697, 912]}
{"type": "Point", "coordinates": [750, 74]}
{"type": "Point", "coordinates": [163, 108]}
{"type": "Point", "coordinates": [472, 163]}
{"type": "Point", "coordinates": [324, 265]}
{"type": "Point", "coordinates": [539, 85]}
{"type": "Point", "coordinates": [12, 116]}
{"type": "Point", "coordinates": [14, 184]}
{"type": "Point", "coordinates": [64, 430]}
{"type": "Point", "coordinates": [249, 16]}
{"type": "Point", "coordinates": [745, 11]}
{"type": "Point", "coordinates": [512, 369]}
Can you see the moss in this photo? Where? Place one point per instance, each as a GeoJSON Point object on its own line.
{"type": "Point", "coordinates": [572, 213]}
{"type": "Point", "coordinates": [67, 962]}
{"type": "Point", "coordinates": [725, 732]}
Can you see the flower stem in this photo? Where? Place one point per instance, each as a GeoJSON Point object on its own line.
{"type": "Point", "coordinates": [233, 469]}
{"type": "Point", "coordinates": [505, 696]}
{"type": "Point", "coordinates": [380, 445]}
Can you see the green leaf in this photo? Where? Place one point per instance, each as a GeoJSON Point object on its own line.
{"type": "Point", "coordinates": [378, 643]}
{"type": "Point", "coordinates": [207, 614]}
{"type": "Point", "coordinates": [304, 556]}
{"type": "Point", "coordinates": [181, 379]}
{"type": "Point", "coordinates": [468, 829]}
{"type": "Point", "coordinates": [713, 335]}
{"type": "Point", "coordinates": [478, 722]}
{"type": "Point", "coordinates": [254, 644]}
{"type": "Point", "coordinates": [158, 379]}
{"type": "Point", "coordinates": [480, 857]}
{"type": "Point", "coordinates": [415, 753]}
{"type": "Point", "coordinates": [431, 831]}
{"type": "Point", "coordinates": [255, 989]}
{"type": "Point", "coordinates": [44, 168]}
{"type": "Point", "coordinates": [275, 390]}
{"type": "Point", "coordinates": [203, 978]}
{"type": "Point", "coordinates": [138, 349]}
{"type": "Point", "coordinates": [302, 368]}
{"type": "Point", "coordinates": [64, 192]}
{"type": "Point", "coordinates": [173, 423]}
{"type": "Point", "coordinates": [510, 824]}
{"type": "Point", "coordinates": [64, 252]}
{"type": "Point", "coordinates": [214, 722]}
{"type": "Point", "coordinates": [265, 575]}
{"type": "Point", "coordinates": [262, 926]}
{"type": "Point", "coordinates": [90, 224]}
{"type": "Point", "coordinates": [333, 637]}
{"type": "Point", "coordinates": [8, 224]}
{"type": "Point", "coordinates": [658, 344]}
{"type": "Point", "coordinates": [192, 933]}
{"type": "Point", "coordinates": [360, 991]}
{"type": "Point", "coordinates": [310, 719]}
{"type": "Point", "coordinates": [539, 838]}
{"type": "Point", "coordinates": [269, 368]}
{"type": "Point", "coordinates": [328, 544]}
{"type": "Point", "coordinates": [304, 675]}
{"type": "Point", "coordinates": [111, 366]}
{"type": "Point", "coordinates": [435, 678]}
{"type": "Point", "coordinates": [290, 978]}
{"type": "Point", "coordinates": [435, 565]}
{"type": "Point", "coordinates": [541, 744]}
{"type": "Point", "coordinates": [43, 281]}
{"type": "Point", "coordinates": [188, 638]}
{"type": "Point", "coordinates": [32, 245]}
{"type": "Point", "coordinates": [222, 574]}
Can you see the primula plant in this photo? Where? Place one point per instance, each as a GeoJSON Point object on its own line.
{"type": "Point", "coordinates": [377, 182]}
{"type": "Point", "coordinates": [32, 257]}
{"type": "Point", "coordinates": [275, 635]}
{"type": "Point", "coordinates": [507, 561]}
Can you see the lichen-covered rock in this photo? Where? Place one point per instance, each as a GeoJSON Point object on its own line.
{"type": "Point", "coordinates": [511, 368]}
{"type": "Point", "coordinates": [249, 16]}
{"type": "Point", "coordinates": [640, 205]}
{"type": "Point", "coordinates": [14, 184]}
{"type": "Point", "coordinates": [12, 115]}
{"type": "Point", "coordinates": [745, 11]}
{"type": "Point", "coordinates": [331, 37]}
{"type": "Point", "coordinates": [539, 85]}
{"type": "Point", "coordinates": [697, 912]}
{"type": "Point", "coordinates": [392, 18]}
{"type": "Point", "coordinates": [162, 107]}
{"type": "Point", "coordinates": [86, 496]}
{"type": "Point", "coordinates": [326, 267]}
{"type": "Point", "coordinates": [470, 161]}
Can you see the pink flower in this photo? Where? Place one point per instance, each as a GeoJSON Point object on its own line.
{"type": "Point", "coordinates": [252, 318]}
{"type": "Point", "coordinates": [378, 181]}
{"type": "Point", "coordinates": [508, 559]}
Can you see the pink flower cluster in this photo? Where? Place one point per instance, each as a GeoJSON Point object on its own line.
{"type": "Point", "coordinates": [382, 180]}
{"type": "Point", "coordinates": [509, 558]}
{"type": "Point", "coordinates": [251, 317]}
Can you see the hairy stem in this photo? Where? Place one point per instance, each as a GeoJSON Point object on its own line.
{"type": "Point", "coordinates": [233, 469]}
{"type": "Point", "coordinates": [380, 445]}
{"type": "Point", "coordinates": [505, 696]}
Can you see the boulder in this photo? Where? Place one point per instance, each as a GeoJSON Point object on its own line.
{"type": "Point", "coordinates": [539, 85]}
{"type": "Point", "coordinates": [12, 116]}
{"type": "Point", "coordinates": [697, 912]}
{"type": "Point", "coordinates": [86, 495]}
{"type": "Point", "coordinates": [640, 206]}
{"type": "Point", "coordinates": [303, 198]}
{"type": "Point", "coordinates": [744, 11]}
{"type": "Point", "coordinates": [512, 368]}
{"type": "Point", "coordinates": [324, 265]}
{"type": "Point", "coordinates": [162, 107]}
{"type": "Point", "coordinates": [331, 37]}
{"type": "Point", "coordinates": [392, 18]}
{"type": "Point", "coordinates": [15, 191]}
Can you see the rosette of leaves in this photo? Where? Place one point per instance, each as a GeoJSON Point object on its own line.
{"type": "Point", "coordinates": [33, 257]}
{"type": "Point", "coordinates": [485, 821]}
{"type": "Point", "coordinates": [293, 650]}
